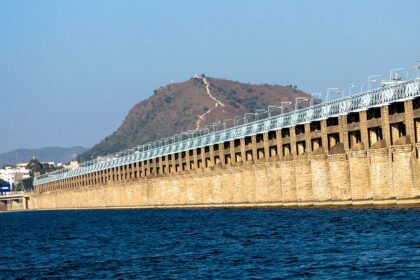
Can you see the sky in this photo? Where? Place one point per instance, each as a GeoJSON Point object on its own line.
{"type": "Point", "coordinates": [71, 70]}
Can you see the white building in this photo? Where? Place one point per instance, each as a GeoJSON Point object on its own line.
{"type": "Point", "coordinates": [14, 175]}
{"type": "Point", "coordinates": [72, 165]}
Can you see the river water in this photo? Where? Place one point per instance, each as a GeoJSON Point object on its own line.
{"type": "Point", "coordinates": [308, 243]}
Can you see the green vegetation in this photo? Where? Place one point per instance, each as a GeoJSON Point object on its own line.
{"type": "Point", "coordinates": [41, 168]}
{"type": "Point", "coordinates": [175, 108]}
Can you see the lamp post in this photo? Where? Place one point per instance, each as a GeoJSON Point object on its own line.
{"type": "Point", "coordinates": [225, 121]}
{"type": "Point", "coordinates": [207, 127]}
{"type": "Point", "coordinates": [370, 80]}
{"type": "Point", "coordinates": [351, 85]}
{"type": "Point", "coordinates": [257, 113]}
{"type": "Point", "coordinates": [336, 91]}
{"type": "Point", "coordinates": [312, 98]}
{"type": "Point", "coordinates": [392, 72]}
{"type": "Point", "coordinates": [297, 101]}
{"type": "Point", "coordinates": [269, 111]}
{"type": "Point", "coordinates": [417, 69]}
{"type": "Point", "coordinates": [246, 118]}
{"type": "Point", "coordinates": [236, 120]}
{"type": "Point", "coordinates": [282, 105]}
{"type": "Point", "coordinates": [216, 126]}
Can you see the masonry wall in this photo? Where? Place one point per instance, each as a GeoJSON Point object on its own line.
{"type": "Point", "coordinates": [319, 180]}
{"type": "Point", "coordinates": [370, 157]}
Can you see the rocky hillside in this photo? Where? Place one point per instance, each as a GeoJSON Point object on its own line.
{"type": "Point", "coordinates": [188, 105]}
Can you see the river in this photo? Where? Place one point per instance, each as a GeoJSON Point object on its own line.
{"type": "Point", "coordinates": [266, 243]}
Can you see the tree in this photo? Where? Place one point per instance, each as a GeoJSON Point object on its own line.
{"type": "Point", "coordinates": [34, 165]}
{"type": "Point", "coordinates": [2, 182]}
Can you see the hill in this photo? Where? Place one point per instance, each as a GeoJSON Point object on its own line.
{"type": "Point", "coordinates": [56, 154]}
{"type": "Point", "coordinates": [188, 105]}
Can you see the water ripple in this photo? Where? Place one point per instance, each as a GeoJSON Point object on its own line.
{"type": "Point", "coordinates": [309, 243]}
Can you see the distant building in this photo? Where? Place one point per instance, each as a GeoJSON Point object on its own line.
{"type": "Point", "coordinates": [72, 165]}
{"type": "Point", "coordinates": [14, 175]}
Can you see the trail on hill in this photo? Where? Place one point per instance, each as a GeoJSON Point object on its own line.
{"type": "Point", "coordinates": [218, 102]}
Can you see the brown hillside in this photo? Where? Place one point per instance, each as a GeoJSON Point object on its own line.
{"type": "Point", "coordinates": [177, 107]}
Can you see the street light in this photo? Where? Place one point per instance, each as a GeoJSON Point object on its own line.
{"type": "Point", "coordinates": [311, 103]}
{"type": "Point", "coordinates": [392, 71]}
{"type": "Point", "coordinates": [284, 103]}
{"type": "Point", "coordinates": [417, 69]}
{"type": "Point", "coordinates": [248, 114]}
{"type": "Point", "coordinates": [299, 99]}
{"type": "Point", "coordinates": [257, 113]}
{"type": "Point", "coordinates": [271, 106]}
{"type": "Point", "coordinates": [370, 80]}
{"type": "Point", "coordinates": [225, 121]}
{"type": "Point", "coordinates": [336, 91]}
{"type": "Point", "coordinates": [236, 120]}
{"type": "Point", "coordinates": [207, 127]}
{"type": "Point", "coordinates": [351, 85]}
{"type": "Point", "coordinates": [217, 126]}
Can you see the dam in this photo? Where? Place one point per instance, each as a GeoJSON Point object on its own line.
{"type": "Point", "coordinates": [361, 149]}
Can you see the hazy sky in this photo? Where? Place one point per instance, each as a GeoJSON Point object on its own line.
{"type": "Point", "coordinates": [71, 70]}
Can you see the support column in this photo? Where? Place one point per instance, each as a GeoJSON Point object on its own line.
{"type": "Point", "coordinates": [254, 147]}
{"type": "Point", "coordinates": [222, 153]}
{"type": "Point", "coordinates": [173, 163]}
{"type": "Point", "coordinates": [293, 149]}
{"type": "Point", "coordinates": [417, 124]}
{"type": "Point", "coordinates": [409, 120]}
{"type": "Point", "coordinates": [395, 133]}
{"type": "Point", "coordinates": [211, 153]}
{"type": "Point", "coordinates": [167, 163]}
{"type": "Point", "coordinates": [243, 152]}
{"type": "Point", "coordinates": [232, 151]}
{"type": "Point", "coordinates": [195, 159]}
{"type": "Point", "coordinates": [279, 144]}
{"type": "Point", "coordinates": [138, 170]}
{"type": "Point", "coordinates": [180, 161]}
{"type": "Point", "coordinates": [344, 138]}
{"type": "Point", "coordinates": [373, 137]}
{"type": "Point", "coordinates": [324, 135]}
{"type": "Point", "coordinates": [266, 142]}
{"type": "Point", "coordinates": [386, 134]}
{"type": "Point", "coordinates": [308, 139]}
{"type": "Point", "coordinates": [161, 159]}
{"type": "Point", "coordinates": [187, 160]}
{"type": "Point", "coordinates": [203, 157]}
{"type": "Point", "coordinates": [363, 128]}
{"type": "Point", "coordinates": [153, 173]}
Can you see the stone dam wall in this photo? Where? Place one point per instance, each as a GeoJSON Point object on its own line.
{"type": "Point", "coordinates": [377, 176]}
{"type": "Point", "coordinates": [365, 157]}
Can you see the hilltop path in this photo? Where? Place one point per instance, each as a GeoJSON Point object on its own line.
{"type": "Point", "coordinates": [218, 102]}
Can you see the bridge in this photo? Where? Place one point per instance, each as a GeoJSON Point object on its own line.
{"type": "Point", "coordinates": [14, 201]}
{"type": "Point", "coordinates": [385, 119]}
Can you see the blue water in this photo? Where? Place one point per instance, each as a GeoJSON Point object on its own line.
{"type": "Point", "coordinates": [358, 243]}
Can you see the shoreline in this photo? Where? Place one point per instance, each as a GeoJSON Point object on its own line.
{"type": "Point", "coordinates": [391, 203]}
